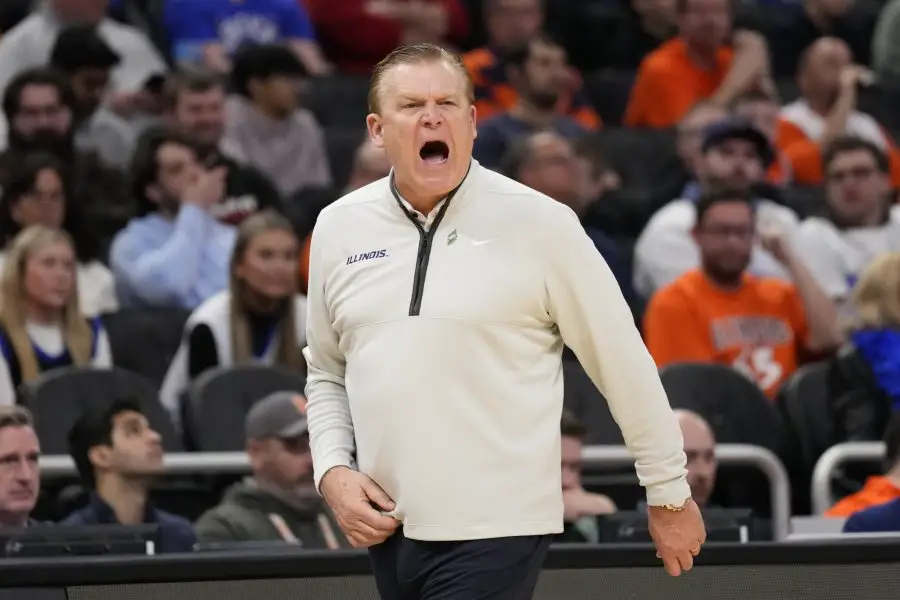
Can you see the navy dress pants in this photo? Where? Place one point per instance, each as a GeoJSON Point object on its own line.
{"type": "Point", "coordinates": [492, 569]}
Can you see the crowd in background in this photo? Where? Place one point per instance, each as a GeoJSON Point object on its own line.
{"type": "Point", "coordinates": [734, 162]}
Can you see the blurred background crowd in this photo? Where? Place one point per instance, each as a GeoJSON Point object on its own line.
{"type": "Point", "coordinates": [162, 163]}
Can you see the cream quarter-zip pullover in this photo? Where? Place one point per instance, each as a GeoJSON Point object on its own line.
{"type": "Point", "coordinates": [435, 355]}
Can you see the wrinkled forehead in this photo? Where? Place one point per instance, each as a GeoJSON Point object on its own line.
{"type": "Point", "coordinates": [433, 80]}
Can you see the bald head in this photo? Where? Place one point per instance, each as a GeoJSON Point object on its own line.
{"type": "Point", "coordinates": [700, 448]}
{"type": "Point", "coordinates": [370, 164]}
{"type": "Point", "coordinates": [819, 71]}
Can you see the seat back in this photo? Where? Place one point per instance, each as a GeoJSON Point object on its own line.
{"type": "Point", "coordinates": [145, 341]}
{"type": "Point", "coordinates": [804, 406]}
{"type": "Point", "coordinates": [224, 396]}
{"type": "Point", "coordinates": [738, 413]}
{"type": "Point", "coordinates": [58, 398]}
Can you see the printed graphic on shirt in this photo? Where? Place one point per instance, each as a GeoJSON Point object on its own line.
{"type": "Point", "coordinates": [245, 28]}
{"type": "Point", "coordinates": [757, 338]}
{"type": "Point", "coordinates": [367, 256]}
{"type": "Point", "coordinates": [234, 210]}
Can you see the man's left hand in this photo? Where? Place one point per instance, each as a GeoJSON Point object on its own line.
{"type": "Point", "coordinates": [678, 536]}
{"type": "Point", "coordinates": [773, 239]}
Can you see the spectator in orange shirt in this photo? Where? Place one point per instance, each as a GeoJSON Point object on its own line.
{"type": "Point", "coordinates": [720, 313]}
{"type": "Point", "coordinates": [880, 488]}
{"type": "Point", "coordinates": [697, 65]}
{"type": "Point", "coordinates": [510, 24]}
{"type": "Point", "coordinates": [538, 72]}
{"type": "Point", "coordinates": [829, 83]}
{"type": "Point", "coordinates": [761, 109]}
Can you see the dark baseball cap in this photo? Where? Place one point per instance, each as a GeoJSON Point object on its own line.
{"type": "Point", "coordinates": [738, 129]}
{"type": "Point", "coordinates": [278, 415]}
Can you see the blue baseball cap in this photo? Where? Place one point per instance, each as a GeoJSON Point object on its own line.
{"type": "Point", "coordinates": [731, 129]}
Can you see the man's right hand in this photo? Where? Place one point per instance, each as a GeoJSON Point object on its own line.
{"type": "Point", "coordinates": [351, 496]}
{"type": "Point", "coordinates": [207, 188]}
{"type": "Point", "coordinates": [855, 75]}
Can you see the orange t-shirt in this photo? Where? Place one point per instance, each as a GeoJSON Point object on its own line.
{"type": "Point", "coordinates": [668, 85]}
{"type": "Point", "coordinates": [757, 329]}
{"type": "Point", "coordinates": [877, 490]}
{"type": "Point", "coordinates": [304, 263]}
{"type": "Point", "coordinates": [805, 155]}
{"type": "Point", "coordinates": [494, 94]}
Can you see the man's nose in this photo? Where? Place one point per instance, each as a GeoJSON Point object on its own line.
{"type": "Point", "coordinates": [431, 115]}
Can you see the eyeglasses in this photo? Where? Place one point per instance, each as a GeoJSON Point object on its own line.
{"type": "Point", "coordinates": [724, 232]}
{"type": "Point", "coordinates": [854, 173]}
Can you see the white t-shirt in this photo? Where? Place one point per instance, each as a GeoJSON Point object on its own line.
{"type": "Point", "coordinates": [837, 257]}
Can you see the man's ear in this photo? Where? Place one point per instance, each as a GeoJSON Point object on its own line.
{"type": "Point", "coordinates": [373, 124]}
{"type": "Point", "coordinates": [100, 457]}
{"type": "Point", "coordinates": [474, 121]}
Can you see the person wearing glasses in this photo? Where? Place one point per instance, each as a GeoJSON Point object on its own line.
{"type": "Point", "coordinates": [720, 313]}
{"type": "Point", "coordinates": [860, 224]}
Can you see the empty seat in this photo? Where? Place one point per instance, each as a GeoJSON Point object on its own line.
{"type": "Point", "coordinates": [223, 397]}
{"type": "Point", "coordinates": [341, 144]}
{"type": "Point", "coordinates": [145, 341]}
{"type": "Point", "coordinates": [61, 396]}
{"type": "Point", "coordinates": [339, 100]}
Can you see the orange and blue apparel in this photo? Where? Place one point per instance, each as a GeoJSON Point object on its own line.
{"type": "Point", "coordinates": [876, 491]}
{"type": "Point", "coordinates": [494, 94]}
{"type": "Point", "coordinates": [758, 329]}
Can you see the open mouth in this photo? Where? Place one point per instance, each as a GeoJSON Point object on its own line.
{"type": "Point", "coordinates": [435, 153]}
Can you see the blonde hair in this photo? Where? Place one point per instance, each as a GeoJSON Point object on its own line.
{"type": "Point", "coordinates": [876, 298]}
{"type": "Point", "coordinates": [288, 353]}
{"type": "Point", "coordinates": [416, 54]}
{"type": "Point", "coordinates": [77, 334]}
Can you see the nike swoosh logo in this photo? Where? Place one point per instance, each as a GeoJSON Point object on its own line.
{"type": "Point", "coordinates": [481, 242]}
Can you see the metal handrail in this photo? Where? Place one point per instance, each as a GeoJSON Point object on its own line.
{"type": "Point", "coordinates": [726, 454]}
{"type": "Point", "coordinates": [234, 463]}
{"type": "Point", "coordinates": [179, 463]}
{"type": "Point", "coordinates": [831, 460]}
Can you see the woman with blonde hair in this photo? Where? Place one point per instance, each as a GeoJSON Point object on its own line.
{"type": "Point", "coordinates": [260, 319]}
{"type": "Point", "coordinates": [864, 380]}
{"type": "Point", "coordinates": [41, 325]}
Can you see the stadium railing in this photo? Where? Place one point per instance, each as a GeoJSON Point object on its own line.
{"type": "Point", "coordinates": [832, 570]}
{"type": "Point", "coordinates": [831, 461]}
{"type": "Point", "coordinates": [194, 463]}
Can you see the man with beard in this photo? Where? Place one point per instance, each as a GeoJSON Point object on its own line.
{"type": "Point", "coordinates": [733, 155]}
{"type": "Point", "coordinates": [538, 71]}
{"type": "Point", "coordinates": [194, 103]}
{"type": "Point", "coordinates": [280, 502]}
{"type": "Point", "coordinates": [721, 314]}
{"type": "Point", "coordinates": [40, 107]}
{"type": "Point", "coordinates": [85, 59]}
{"type": "Point", "coordinates": [119, 455]}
